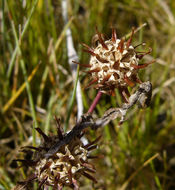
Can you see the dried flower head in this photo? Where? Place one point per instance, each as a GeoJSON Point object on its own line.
{"type": "Point", "coordinates": [114, 63]}
{"type": "Point", "coordinates": [64, 167]}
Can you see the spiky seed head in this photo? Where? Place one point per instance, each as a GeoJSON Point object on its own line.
{"type": "Point", "coordinates": [63, 168]}
{"type": "Point", "coordinates": [114, 63]}
{"type": "Point", "coordinates": [117, 63]}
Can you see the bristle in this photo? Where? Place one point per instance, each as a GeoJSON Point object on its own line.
{"type": "Point", "coordinates": [27, 162]}
{"type": "Point", "coordinates": [96, 70]}
{"type": "Point", "coordinates": [93, 142]}
{"type": "Point", "coordinates": [46, 166]}
{"type": "Point", "coordinates": [82, 65]}
{"type": "Point", "coordinates": [88, 167]}
{"type": "Point", "coordinates": [128, 81]}
{"type": "Point", "coordinates": [126, 91]}
{"type": "Point", "coordinates": [28, 180]}
{"type": "Point", "coordinates": [42, 183]}
{"type": "Point", "coordinates": [144, 53]}
{"type": "Point", "coordinates": [31, 147]}
{"type": "Point", "coordinates": [101, 39]}
{"type": "Point", "coordinates": [142, 66]}
{"type": "Point", "coordinates": [93, 157]}
{"type": "Point", "coordinates": [105, 79]}
{"type": "Point", "coordinates": [121, 46]}
{"type": "Point", "coordinates": [101, 59]}
{"type": "Point", "coordinates": [89, 51]}
{"type": "Point", "coordinates": [46, 138]}
{"type": "Point", "coordinates": [88, 47]}
{"type": "Point", "coordinates": [91, 147]}
{"type": "Point", "coordinates": [86, 164]}
{"type": "Point", "coordinates": [130, 39]}
{"type": "Point", "coordinates": [92, 82]}
{"type": "Point", "coordinates": [114, 35]}
{"type": "Point", "coordinates": [136, 79]}
{"type": "Point", "coordinates": [90, 177]}
{"type": "Point", "coordinates": [123, 95]}
{"type": "Point", "coordinates": [57, 186]}
{"type": "Point", "coordinates": [60, 132]}
{"type": "Point", "coordinates": [141, 44]}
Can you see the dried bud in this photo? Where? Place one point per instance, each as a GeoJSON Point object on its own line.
{"type": "Point", "coordinates": [64, 167]}
{"type": "Point", "coordinates": [114, 63]}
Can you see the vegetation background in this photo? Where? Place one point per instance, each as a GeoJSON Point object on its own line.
{"type": "Point", "coordinates": [138, 155]}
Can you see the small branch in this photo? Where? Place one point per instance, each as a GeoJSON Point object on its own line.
{"type": "Point", "coordinates": [142, 97]}
{"type": "Point", "coordinates": [95, 102]}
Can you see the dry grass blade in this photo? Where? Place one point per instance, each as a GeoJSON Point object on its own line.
{"type": "Point", "coordinates": [124, 186]}
{"type": "Point", "coordinates": [19, 91]}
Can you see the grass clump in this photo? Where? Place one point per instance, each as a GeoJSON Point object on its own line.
{"type": "Point", "coordinates": [36, 84]}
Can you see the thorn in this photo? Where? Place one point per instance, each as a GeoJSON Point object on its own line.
{"type": "Point", "coordinates": [95, 157]}
{"type": "Point", "coordinates": [88, 47]}
{"type": "Point", "coordinates": [89, 51]}
{"type": "Point", "coordinates": [93, 142]}
{"type": "Point", "coordinates": [130, 39]}
{"type": "Point", "coordinates": [31, 147]}
{"type": "Point", "coordinates": [136, 79]}
{"type": "Point", "coordinates": [46, 166]}
{"type": "Point", "coordinates": [128, 81]}
{"type": "Point", "coordinates": [42, 182]}
{"type": "Point", "coordinates": [126, 92]}
{"type": "Point", "coordinates": [114, 35]}
{"type": "Point", "coordinates": [88, 166]}
{"type": "Point", "coordinates": [145, 53]}
{"type": "Point", "coordinates": [92, 82]}
{"type": "Point", "coordinates": [121, 46]}
{"type": "Point", "coordinates": [142, 65]}
{"type": "Point", "coordinates": [101, 59]}
{"type": "Point", "coordinates": [81, 135]}
{"type": "Point", "coordinates": [101, 39]}
{"type": "Point", "coordinates": [90, 177]}
{"type": "Point", "coordinates": [96, 70]}
{"type": "Point", "coordinates": [27, 162]}
{"type": "Point", "coordinates": [91, 147]}
{"type": "Point", "coordinates": [123, 95]}
{"type": "Point", "coordinates": [82, 65]}
{"type": "Point", "coordinates": [28, 180]}
{"type": "Point", "coordinates": [59, 128]}
{"type": "Point", "coordinates": [141, 44]}
{"type": "Point", "coordinates": [46, 138]}
{"type": "Point", "coordinates": [57, 186]}
{"type": "Point", "coordinates": [105, 79]}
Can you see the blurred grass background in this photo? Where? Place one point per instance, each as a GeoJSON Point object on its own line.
{"type": "Point", "coordinates": [36, 84]}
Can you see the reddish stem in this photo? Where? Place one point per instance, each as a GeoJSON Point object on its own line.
{"type": "Point", "coordinates": [95, 102]}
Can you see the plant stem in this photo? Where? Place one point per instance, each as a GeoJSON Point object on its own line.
{"type": "Point", "coordinates": [95, 102]}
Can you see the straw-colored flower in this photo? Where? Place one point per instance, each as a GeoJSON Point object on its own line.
{"type": "Point", "coordinates": [114, 63]}
{"type": "Point", "coordinates": [63, 168]}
